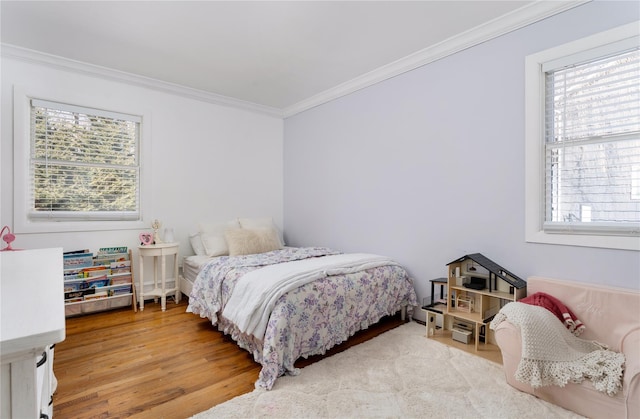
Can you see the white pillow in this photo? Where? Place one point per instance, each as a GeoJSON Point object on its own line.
{"type": "Point", "coordinates": [208, 227]}
{"type": "Point", "coordinates": [196, 244]}
{"type": "Point", "coordinates": [212, 236]}
{"type": "Point", "coordinates": [244, 241]}
{"type": "Point", "coordinates": [261, 223]}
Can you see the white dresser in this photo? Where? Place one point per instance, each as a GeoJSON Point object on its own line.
{"type": "Point", "coordinates": [32, 320]}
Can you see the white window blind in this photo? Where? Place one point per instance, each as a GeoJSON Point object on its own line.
{"type": "Point", "coordinates": [84, 163]}
{"type": "Point", "coordinates": [592, 146]}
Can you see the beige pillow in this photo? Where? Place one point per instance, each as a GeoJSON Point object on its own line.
{"type": "Point", "coordinates": [244, 241]}
{"type": "Point", "coordinates": [261, 223]}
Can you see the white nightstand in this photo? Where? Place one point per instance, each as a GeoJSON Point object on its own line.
{"type": "Point", "coordinates": [159, 252]}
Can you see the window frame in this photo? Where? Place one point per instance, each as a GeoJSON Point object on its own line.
{"type": "Point", "coordinates": [535, 147]}
{"type": "Point", "coordinates": [23, 223]}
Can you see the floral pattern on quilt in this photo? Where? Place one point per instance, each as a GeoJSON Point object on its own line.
{"type": "Point", "coordinates": [308, 320]}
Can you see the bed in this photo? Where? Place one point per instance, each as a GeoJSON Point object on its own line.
{"type": "Point", "coordinates": [327, 296]}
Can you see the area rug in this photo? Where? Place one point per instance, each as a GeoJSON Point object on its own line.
{"type": "Point", "coordinates": [399, 373]}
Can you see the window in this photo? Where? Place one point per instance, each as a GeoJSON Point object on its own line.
{"type": "Point", "coordinates": [635, 183]}
{"type": "Point", "coordinates": [79, 168]}
{"type": "Point", "coordinates": [84, 163]}
{"type": "Point", "coordinates": [583, 142]}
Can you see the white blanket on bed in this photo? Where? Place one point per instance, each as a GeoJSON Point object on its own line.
{"type": "Point", "coordinates": [256, 293]}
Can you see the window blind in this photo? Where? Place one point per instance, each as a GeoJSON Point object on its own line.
{"type": "Point", "coordinates": [592, 145]}
{"type": "Point", "coordinates": [84, 163]}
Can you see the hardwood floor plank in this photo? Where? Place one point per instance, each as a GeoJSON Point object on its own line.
{"type": "Point", "coordinates": [155, 364]}
{"type": "Point", "coordinates": [199, 401]}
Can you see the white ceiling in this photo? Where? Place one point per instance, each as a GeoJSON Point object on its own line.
{"type": "Point", "coordinates": [276, 54]}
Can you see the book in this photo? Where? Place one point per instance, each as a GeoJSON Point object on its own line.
{"type": "Point", "coordinates": [97, 282]}
{"type": "Point", "coordinates": [123, 278]}
{"type": "Point", "coordinates": [111, 250]}
{"type": "Point", "coordinates": [121, 264]}
{"type": "Point", "coordinates": [75, 252]}
{"type": "Point", "coordinates": [119, 290]}
{"type": "Point", "coordinates": [73, 273]}
{"type": "Point", "coordinates": [102, 294]}
{"type": "Point", "coordinates": [79, 294]}
{"type": "Point", "coordinates": [77, 260]}
{"type": "Point", "coordinates": [74, 300]}
{"type": "Point", "coordinates": [94, 271]}
{"type": "Point", "coordinates": [74, 285]}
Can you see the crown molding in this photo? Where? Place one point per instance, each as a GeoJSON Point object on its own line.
{"type": "Point", "coordinates": [517, 19]}
{"type": "Point", "coordinates": [32, 56]}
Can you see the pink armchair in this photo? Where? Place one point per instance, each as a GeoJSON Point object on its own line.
{"type": "Point", "coordinates": [612, 317]}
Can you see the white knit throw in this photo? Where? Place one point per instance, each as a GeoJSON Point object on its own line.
{"type": "Point", "coordinates": [551, 355]}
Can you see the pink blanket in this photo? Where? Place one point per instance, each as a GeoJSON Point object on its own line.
{"type": "Point", "coordinates": [562, 312]}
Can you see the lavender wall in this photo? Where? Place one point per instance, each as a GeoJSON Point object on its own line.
{"type": "Point", "coordinates": [429, 165]}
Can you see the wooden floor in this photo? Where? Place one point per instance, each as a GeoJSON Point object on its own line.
{"type": "Point", "coordinates": [152, 364]}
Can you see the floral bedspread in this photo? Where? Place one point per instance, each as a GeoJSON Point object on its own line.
{"type": "Point", "coordinates": [309, 320]}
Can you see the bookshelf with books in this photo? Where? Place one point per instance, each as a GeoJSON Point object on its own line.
{"type": "Point", "coordinates": [99, 282]}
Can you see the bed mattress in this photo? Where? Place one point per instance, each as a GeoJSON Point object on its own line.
{"type": "Point", "coordinates": [192, 265]}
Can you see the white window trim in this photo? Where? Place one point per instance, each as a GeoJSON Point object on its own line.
{"type": "Point", "coordinates": [534, 146]}
{"type": "Point", "coordinates": [635, 182]}
{"type": "Point", "coordinates": [21, 148]}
